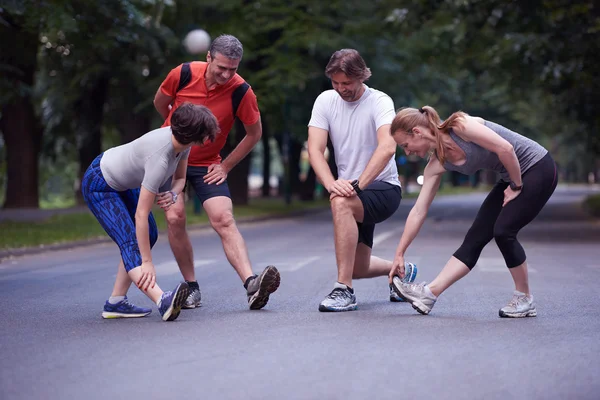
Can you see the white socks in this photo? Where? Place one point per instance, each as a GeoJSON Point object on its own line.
{"type": "Point", "coordinates": [115, 299]}
{"type": "Point", "coordinates": [428, 292]}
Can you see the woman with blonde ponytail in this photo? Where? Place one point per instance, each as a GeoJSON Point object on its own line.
{"type": "Point", "coordinates": [467, 144]}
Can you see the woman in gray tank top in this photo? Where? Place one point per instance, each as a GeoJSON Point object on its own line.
{"type": "Point", "coordinates": [468, 144]}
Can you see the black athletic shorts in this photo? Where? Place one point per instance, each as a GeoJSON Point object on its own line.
{"type": "Point", "coordinates": [204, 191]}
{"type": "Point", "coordinates": [380, 201]}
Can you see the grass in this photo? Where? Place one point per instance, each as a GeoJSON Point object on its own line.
{"type": "Point", "coordinates": [78, 226]}
{"type": "Point", "coordinates": [592, 205]}
{"type": "Point", "coordinates": [82, 225]}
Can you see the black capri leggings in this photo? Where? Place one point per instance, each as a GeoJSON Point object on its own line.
{"type": "Point", "coordinates": [504, 223]}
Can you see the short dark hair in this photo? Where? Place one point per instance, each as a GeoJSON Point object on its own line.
{"type": "Point", "coordinates": [193, 123]}
{"type": "Point", "coordinates": [350, 63]}
{"type": "Point", "coordinates": [227, 45]}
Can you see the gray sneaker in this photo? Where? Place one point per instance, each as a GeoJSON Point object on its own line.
{"type": "Point", "coordinates": [519, 306]}
{"type": "Point", "coordinates": [194, 299]}
{"type": "Point", "coordinates": [410, 274]}
{"type": "Point", "coordinates": [262, 286]}
{"type": "Point", "coordinates": [340, 299]}
{"type": "Point", "coordinates": [415, 295]}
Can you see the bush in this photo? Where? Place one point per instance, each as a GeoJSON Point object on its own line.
{"type": "Point", "coordinates": [592, 205]}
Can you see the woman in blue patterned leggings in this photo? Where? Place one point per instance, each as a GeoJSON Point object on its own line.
{"type": "Point", "coordinates": [121, 186]}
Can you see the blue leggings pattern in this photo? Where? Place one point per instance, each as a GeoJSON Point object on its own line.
{"type": "Point", "coordinates": [116, 213]}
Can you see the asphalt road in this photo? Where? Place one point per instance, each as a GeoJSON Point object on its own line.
{"type": "Point", "coordinates": [54, 344]}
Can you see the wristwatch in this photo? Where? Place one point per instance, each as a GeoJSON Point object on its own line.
{"type": "Point", "coordinates": [174, 196]}
{"type": "Point", "coordinates": [514, 186]}
{"type": "Point", "coordinates": [357, 189]}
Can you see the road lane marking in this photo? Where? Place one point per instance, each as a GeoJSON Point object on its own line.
{"type": "Point", "coordinates": [383, 236]}
{"type": "Point", "coordinates": [303, 263]}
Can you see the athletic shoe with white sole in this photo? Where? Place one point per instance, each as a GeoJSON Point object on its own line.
{"type": "Point", "coordinates": [124, 309]}
{"type": "Point", "coordinates": [520, 306]}
{"type": "Point", "coordinates": [340, 299]}
{"type": "Point", "coordinates": [171, 302]}
{"type": "Point", "coordinates": [421, 299]}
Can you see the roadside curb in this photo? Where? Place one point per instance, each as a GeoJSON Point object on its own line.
{"type": "Point", "coordinates": [26, 251]}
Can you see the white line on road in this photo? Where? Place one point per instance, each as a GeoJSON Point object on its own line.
{"type": "Point", "coordinates": [169, 267]}
{"type": "Point", "coordinates": [303, 263]}
{"type": "Point", "coordinates": [383, 236]}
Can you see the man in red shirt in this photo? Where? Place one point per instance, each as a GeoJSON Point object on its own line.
{"type": "Point", "coordinates": [216, 85]}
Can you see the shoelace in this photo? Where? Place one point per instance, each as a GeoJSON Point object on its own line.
{"type": "Point", "coordinates": [126, 303]}
{"type": "Point", "coordinates": [516, 300]}
{"type": "Point", "coordinates": [337, 292]}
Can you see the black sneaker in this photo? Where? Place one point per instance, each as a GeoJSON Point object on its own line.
{"type": "Point", "coordinates": [261, 287]}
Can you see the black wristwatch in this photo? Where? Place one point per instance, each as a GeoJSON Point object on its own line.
{"type": "Point", "coordinates": [514, 186]}
{"type": "Point", "coordinates": [357, 189]}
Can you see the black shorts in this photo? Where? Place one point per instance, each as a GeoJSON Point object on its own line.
{"type": "Point", "coordinates": [204, 191]}
{"type": "Point", "coordinates": [380, 201]}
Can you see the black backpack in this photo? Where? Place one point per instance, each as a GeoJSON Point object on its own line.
{"type": "Point", "coordinates": [236, 97]}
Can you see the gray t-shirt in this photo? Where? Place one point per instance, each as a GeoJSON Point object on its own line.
{"type": "Point", "coordinates": [352, 127]}
{"type": "Point", "coordinates": [149, 161]}
{"type": "Point", "coordinates": [528, 153]}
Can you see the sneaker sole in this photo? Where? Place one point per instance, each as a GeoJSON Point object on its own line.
{"type": "Point", "coordinates": [530, 313]}
{"type": "Point", "coordinates": [114, 315]}
{"type": "Point", "coordinates": [351, 307]}
{"type": "Point", "coordinates": [190, 306]}
{"type": "Point", "coordinates": [416, 304]}
{"type": "Point", "coordinates": [396, 300]}
{"type": "Point", "coordinates": [269, 283]}
{"type": "Point", "coordinates": [181, 294]}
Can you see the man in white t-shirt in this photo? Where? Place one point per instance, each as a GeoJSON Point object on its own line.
{"type": "Point", "coordinates": [357, 119]}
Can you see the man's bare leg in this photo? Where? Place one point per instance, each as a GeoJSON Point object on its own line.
{"type": "Point", "coordinates": [220, 213]}
{"type": "Point", "coordinates": [181, 246]}
{"type": "Point", "coordinates": [346, 211]}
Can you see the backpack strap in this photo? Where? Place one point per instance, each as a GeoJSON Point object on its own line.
{"type": "Point", "coordinates": [237, 96]}
{"type": "Point", "coordinates": [185, 77]}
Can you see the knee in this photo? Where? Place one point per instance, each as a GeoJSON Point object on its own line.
{"type": "Point", "coordinates": [175, 217]}
{"type": "Point", "coordinates": [503, 235]}
{"type": "Point", "coordinates": [222, 221]}
{"type": "Point", "coordinates": [340, 205]}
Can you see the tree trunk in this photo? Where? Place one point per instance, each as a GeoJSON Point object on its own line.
{"type": "Point", "coordinates": [88, 126]}
{"type": "Point", "coordinates": [266, 170]}
{"type": "Point", "coordinates": [131, 126]}
{"type": "Point", "coordinates": [21, 128]}
{"type": "Point", "coordinates": [22, 135]}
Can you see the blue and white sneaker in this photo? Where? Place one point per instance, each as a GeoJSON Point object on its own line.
{"type": "Point", "coordinates": [171, 302]}
{"type": "Point", "coordinates": [410, 274]}
{"type": "Point", "coordinates": [124, 309]}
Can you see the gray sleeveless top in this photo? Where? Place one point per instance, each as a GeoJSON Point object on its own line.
{"type": "Point", "coordinates": [528, 153]}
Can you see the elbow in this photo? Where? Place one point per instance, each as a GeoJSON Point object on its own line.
{"type": "Point", "coordinates": [507, 148]}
